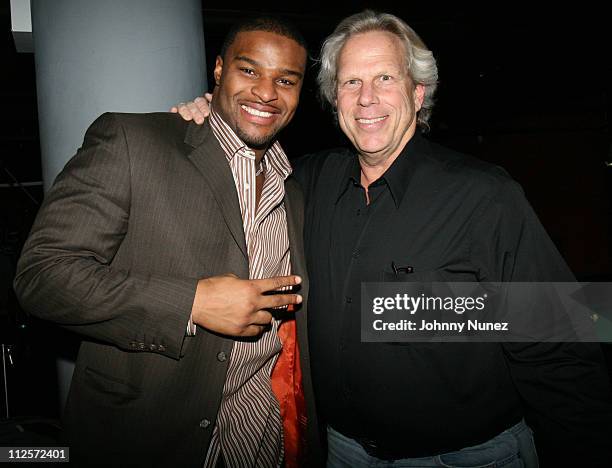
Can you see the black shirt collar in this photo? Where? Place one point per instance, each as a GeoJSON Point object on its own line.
{"type": "Point", "coordinates": [397, 177]}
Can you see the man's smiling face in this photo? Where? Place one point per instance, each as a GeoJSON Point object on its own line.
{"type": "Point", "coordinates": [258, 85]}
{"type": "Point", "coordinates": [377, 101]}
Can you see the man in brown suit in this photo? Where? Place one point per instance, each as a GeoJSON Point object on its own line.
{"type": "Point", "coordinates": [146, 234]}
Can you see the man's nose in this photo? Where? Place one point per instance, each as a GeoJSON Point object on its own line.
{"type": "Point", "coordinates": [265, 90]}
{"type": "Point", "coordinates": [367, 95]}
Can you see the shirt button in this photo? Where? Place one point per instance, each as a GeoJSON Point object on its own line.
{"type": "Point", "coordinates": [355, 254]}
{"type": "Point", "coordinates": [247, 186]}
{"type": "Point", "coordinates": [221, 356]}
{"type": "Point", "coordinates": [204, 423]}
{"type": "Point", "coordinates": [348, 300]}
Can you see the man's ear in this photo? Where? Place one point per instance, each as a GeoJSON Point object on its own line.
{"type": "Point", "coordinates": [218, 70]}
{"type": "Point", "coordinates": [419, 96]}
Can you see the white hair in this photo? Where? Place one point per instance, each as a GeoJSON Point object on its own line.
{"type": "Point", "coordinates": [420, 62]}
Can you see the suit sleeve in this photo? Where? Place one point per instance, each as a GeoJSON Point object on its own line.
{"type": "Point", "coordinates": [564, 386]}
{"type": "Point", "coordinates": [66, 273]}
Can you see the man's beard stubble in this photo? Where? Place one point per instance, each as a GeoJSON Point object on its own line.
{"type": "Point", "coordinates": [256, 143]}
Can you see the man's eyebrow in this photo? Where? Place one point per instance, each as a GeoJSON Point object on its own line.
{"type": "Point", "coordinates": [286, 71]}
{"type": "Point", "coordinates": [244, 58]}
{"type": "Point", "coordinates": [255, 63]}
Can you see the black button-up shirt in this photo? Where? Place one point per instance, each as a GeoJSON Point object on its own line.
{"type": "Point", "coordinates": [438, 216]}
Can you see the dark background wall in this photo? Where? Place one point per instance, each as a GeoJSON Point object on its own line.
{"type": "Point", "coordinates": [527, 89]}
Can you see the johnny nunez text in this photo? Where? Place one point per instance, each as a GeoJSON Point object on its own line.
{"type": "Point", "coordinates": [434, 325]}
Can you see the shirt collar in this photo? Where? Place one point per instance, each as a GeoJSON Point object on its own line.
{"type": "Point", "coordinates": [232, 144]}
{"type": "Point", "coordinates": [397, 177]}
{"type": "Point", "coordinates": [352, 175]}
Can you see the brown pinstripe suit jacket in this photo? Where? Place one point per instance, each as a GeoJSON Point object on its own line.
{"type": "Point", "coordinates": [146, 208]}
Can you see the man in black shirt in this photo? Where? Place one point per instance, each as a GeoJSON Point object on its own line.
{"type": "Point", "coordinates": [402, 201]}
{"type": "Point", "coordinates": [399, 208]}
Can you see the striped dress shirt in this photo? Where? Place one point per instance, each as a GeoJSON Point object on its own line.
{"type": "Point", "coordinates": [249, 430]}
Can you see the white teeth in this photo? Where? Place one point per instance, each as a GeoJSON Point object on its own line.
{"type": "Point", "coordinates": [370, 121]}
{"type": "Point", "coordinates": [252, 111]}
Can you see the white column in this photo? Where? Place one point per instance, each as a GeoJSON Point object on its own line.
{"type": "Point", "coordinates": [96, 56]}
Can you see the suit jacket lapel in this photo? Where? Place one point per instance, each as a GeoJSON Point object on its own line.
{"type": "Point", "coordinates": [294, 206]}
{"type": "Point", "coordinates": [295, 216]}
{"type": "Point", "coordinates": [209, 158]}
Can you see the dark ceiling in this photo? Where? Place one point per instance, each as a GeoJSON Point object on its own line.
{"type": "Point", "coordinates": [501, 69]}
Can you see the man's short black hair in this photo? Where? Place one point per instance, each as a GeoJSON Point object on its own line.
{"type": "Point", "coordinates": [273, 24]}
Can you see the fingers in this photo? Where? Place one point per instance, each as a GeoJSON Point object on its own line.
{"type": "Point", "coordinates": [276, 282]}
{"type": "Point", "coordinates": [232, 306]}
{"type": "Point", "coordinates": [194, 112]}
{"type": "Point", "coordinates": [200, 109]}
{"type": "Point", "coordinates": [184, 111]}
{"type": "Point", "coordinates": [203, 105]}
{"type": "Point", "coordinates": [279, 300]}
{"type": "Point", "coordinates": [261, 317]}
{"type": "Point", "coordinates": [208, 97]}
{"type": "Point", "coordinates": [253, 330]}
{"type": "Point", "coordinates": [259, 321]}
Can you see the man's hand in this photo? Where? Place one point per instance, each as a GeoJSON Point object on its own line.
{"type": "Point", "coordinates": [196, 110]}
{"type": "Point", "coordinates": [232, 306]}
